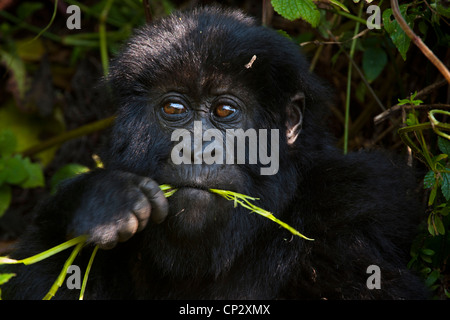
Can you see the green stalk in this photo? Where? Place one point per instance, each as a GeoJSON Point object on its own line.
{"type": "Point", "coordinates": [86, 274]}
{"type": "Point", "coordinates": [349, 81]}
{"type": "Point", "coordinates": [352, 17]}
{"type": "Point", "coordinates": [103, 42]}
{"type": "Point", "coordinates": [68, 135]}
{"type": "Point", "coordinates": [244, 201]}
{"type": "Point", "coordinates": [55, 7]}
{"type": "Point", "coordinates": [59, 281]}
{"type": "Point", "coordinates": [47, 253]}
{"type": "Point", "coordinates": [436, 125]}
{"type": "Point", "coordinates": [34, 29]}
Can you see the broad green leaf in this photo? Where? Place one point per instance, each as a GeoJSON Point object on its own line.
{"type": "Point", "coordinates": [295, 9]}
{"type": "Point", "coordinates": [373, 63]}
{"type": "Point", "coordinates": [430, 225]}
{"type": "Point", "coordinates": [35, 175]}
{"type": "Point", "coordinates": [444, 145]}
{"type": "Point", "coordinates": [16, 171]}
{"type": "Point", "coordinates": [28, 128]}
{"type": "Point", "coordinates": [428, 252]}
{"type": "Point", "coordinates": [398, 36]}
{"type": "Point", "coordinates": [431, 279]}
{"type": "Point", "coordinates": [429, 180]}
{"type": "Point", "coordinates": [3, 172]}
{"type": "Point", "coordinates": [8, 142]}
{"type": "Point", "coordinates": [65, 172]}
{"type": "Point", "coordinates": [441, 9]}
{"type": "Point", "coordinates": [445, 185]}
{"type": "Point", "coordinates": [439, 225]}
{"type": "Point", "coordinates": [4, 277]}
{"type": "Point", "coordinates": [16, 67]}
{"type": "Point", "coordinates": [432, 195]}
{"type": "Point", "coordinates": [426, 258]}
{"type": "Point", "coordinates": [5, 198]}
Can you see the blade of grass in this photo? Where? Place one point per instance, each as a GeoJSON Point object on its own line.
{"type": "Point", "coordinates": [86, 274]}
{"type": "Point", "coordinates": [47, 253]}
{"type": "Point", "coordinates": [59, 281]}
{"type": "Point", "coordinates": [349, 82]}
{"type": "Point", "coordinates": [244, 201]}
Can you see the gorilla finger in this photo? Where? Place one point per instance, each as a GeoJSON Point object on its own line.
{"type": "Point", "coordinates": [105, 237]}
{"type": "Point", "coordinates": [159, 203]}
{"type": "Point", "coordinates": [128, 227]}
{"type": "Point", "coordinates": [141, 210]}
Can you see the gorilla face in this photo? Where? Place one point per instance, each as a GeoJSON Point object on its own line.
{"type": "Point", "coordinates": [188, 101]}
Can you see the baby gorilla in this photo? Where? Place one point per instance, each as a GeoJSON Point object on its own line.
{"type": "Point", "coordinates": [216, 69]}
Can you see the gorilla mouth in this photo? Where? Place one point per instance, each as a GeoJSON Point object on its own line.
{"type": "Point", "coordinates": [192, 186]}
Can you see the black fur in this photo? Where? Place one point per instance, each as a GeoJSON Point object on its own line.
{"type": "Point", "coordinates": [358, 208]}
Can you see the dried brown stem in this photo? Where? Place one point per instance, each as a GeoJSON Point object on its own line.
{"type": "Point", "coordinates": [418, 41]}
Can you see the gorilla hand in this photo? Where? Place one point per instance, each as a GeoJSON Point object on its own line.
{"type": "Point", "coordinates": [115, 205]}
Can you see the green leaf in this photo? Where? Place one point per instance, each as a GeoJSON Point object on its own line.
{"type": "Point", "coordinates": [430, 225]}
{"type": "Point", "coordinates": [432, 195]}
{"type": "Point", "coordinates": [412, 117]}
{"type": "Point", "coordinates": [442, 9]}
{"type": "Point", "coordinates": [295, 9]}
{"type": "Point", "coordinates": [398, 36]}
{"type": "Point", "coordinates": [340, 5]}
{"type": "Point", "coordinates": [3, 172]}
{"type": "Point", "coordinates": [429, 180]}
{"type": "Point", "coordinates": [8, 142]}
{"type": "Point", "coordinates": [5, 198]}
{"type": "Point", "coordinates": [65, 172]}
{"type": "Point", "coordinates": [444, 145]}
{"type": "Point", "coordinates": [426, 258]}
{"type": "Point", "coordinates": [427, 252]}
{"type": "Point", "coordinates": [4, 277]}
{"type": "Point", "coordinates": [439, 225]}
{"type": "Point", "coordinates": [374, 61]}
{"type": "Point", "coordinates": [434, 275]}
{"type": "Point", "coordinates": [16, 68]}
{"type": "Point", "coordinates": [35, 175]}
{"type": "Point", "coordinates": [445, 185]}
{"type": "Point", "coordinates": [16, 171]}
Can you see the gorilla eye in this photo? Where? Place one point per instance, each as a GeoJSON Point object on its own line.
{"type": "Point", "coordinates": [174, 108]}
{"type": "Point", "coordinates": [224, 110]}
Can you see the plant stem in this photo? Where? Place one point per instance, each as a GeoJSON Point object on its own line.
{"type": "Point", "coordinates": [418, 41]}
{"type": "Point", "coordinates": [59, 281]}
{"type": "Point", "coordinates": [103, 42]}
{"type": "Point", "coordinates": [352, 17]}
{"type": "Point", "coordinates": [47, 253]}
{"type": "Point", "coordinates": [81, 131]}
{"type": "Point", "coordinates": [86, 274]}
{"type": "Point", "coordinates": [349, 81]}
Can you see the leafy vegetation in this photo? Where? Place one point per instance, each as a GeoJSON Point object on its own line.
{"type": "Point", "coordinates": [430, 252]}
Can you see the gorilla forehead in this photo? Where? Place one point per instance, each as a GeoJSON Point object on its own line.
{"type": "Point", "coordinates": [207, 48]}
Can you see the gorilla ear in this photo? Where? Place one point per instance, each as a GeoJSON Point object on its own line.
{"type": "Point", "coordinates": [294, 121]}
